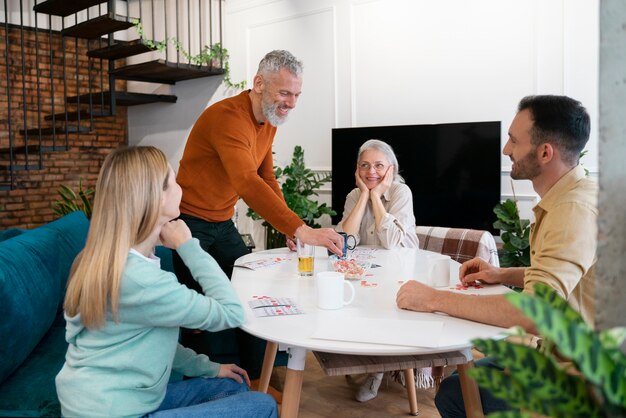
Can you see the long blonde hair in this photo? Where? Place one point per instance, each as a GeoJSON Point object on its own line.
{"type": "Point", "coordinates": [126, 209]}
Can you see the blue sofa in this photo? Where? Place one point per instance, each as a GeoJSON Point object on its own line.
{"type": "Point", "coordinates": [34, 267]}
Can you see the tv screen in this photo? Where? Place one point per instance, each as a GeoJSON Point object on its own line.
{"type": "Point", "coordinates": [453, 170]}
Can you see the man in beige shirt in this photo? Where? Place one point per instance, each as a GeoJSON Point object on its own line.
{"type": "Point", "coordinates": [545, 140]}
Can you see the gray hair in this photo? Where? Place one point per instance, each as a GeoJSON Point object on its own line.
{"type": "Point", "coordinates": [276, 60]}
{"type": "Point", "coordinates": [386, 149]}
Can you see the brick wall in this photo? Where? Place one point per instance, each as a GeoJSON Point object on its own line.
{"type": "Point", "coordinates": [30, 204]}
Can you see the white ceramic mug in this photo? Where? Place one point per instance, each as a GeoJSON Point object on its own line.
{"type": "Point", "coordinates": [330, 290]}
{"type": "Point", "coordinates": [439, 270]}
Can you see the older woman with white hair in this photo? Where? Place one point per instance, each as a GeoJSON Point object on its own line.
{"type": "Point", "coordinates": [379, 211]}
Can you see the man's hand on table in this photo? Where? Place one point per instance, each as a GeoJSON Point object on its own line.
{"type": "Point", "coordinates": [478, 269]}
{"type": "Point", "coordinates": [323, 237]}
{"type": "Point", "coordinates": [416, 296]}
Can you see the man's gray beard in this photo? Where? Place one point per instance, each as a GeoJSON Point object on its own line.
{"type": "Point", "coordinates": [269, 111]}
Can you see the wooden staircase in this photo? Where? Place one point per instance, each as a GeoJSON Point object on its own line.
{"type": "Point", "coordinates": [27, 144]}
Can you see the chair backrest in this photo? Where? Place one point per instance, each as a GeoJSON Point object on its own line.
{"type": "Point", "coordinates": [460, 244]}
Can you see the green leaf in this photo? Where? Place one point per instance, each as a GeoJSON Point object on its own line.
{"type": "Point", "coordinates": [577, 341]}
{"type": "Point", "coordinates": [519, 243]}
{"type": "Point", "coordinates": [559, 392]}
{"type": "Point", "coordinates": [613, 338]}
{"type": "Point", "coordinates": [73, 201]}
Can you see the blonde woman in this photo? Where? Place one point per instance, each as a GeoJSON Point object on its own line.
{"type": "Point", "coordinates": [379, 211]}
{"type": "Point", "coordinates": [123, 312]}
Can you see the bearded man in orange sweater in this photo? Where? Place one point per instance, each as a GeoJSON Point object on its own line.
{"type": "Point", "coordinates": [229, 156]}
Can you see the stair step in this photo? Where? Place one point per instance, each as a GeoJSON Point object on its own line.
{"type": "Point", "coordinates": [84, 115]}
{"type": "Point", "coordinates": [101, 25]}
{"type": "Point", "coordinates": [64, 7]}
{"type": "Point", "coordinates": [124, 98]}
{"type": "Point", "coordinates": [22, 167]}
{"type": "Point", "coordinates": [120, 49]}
{"type": "Point", "coordinates": [31, 150]}
{"type": "Point", "coordinates": [59, 130]}
{"type": "Point", "coordinates": [161, 71]}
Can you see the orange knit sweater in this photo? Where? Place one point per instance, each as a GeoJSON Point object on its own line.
{"type": "Point", "coordinates": [229, 155]}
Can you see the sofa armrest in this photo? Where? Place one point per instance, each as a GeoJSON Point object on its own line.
{"type": "Point", "coordinates": [459, 243]}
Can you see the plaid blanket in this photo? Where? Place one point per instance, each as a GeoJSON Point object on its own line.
{"type": "Point", "coordinates": [460, 244]}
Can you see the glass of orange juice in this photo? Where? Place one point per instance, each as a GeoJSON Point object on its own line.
{"type": "Point", "coordinates": [305, 258]}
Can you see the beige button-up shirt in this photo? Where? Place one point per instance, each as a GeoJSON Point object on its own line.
{"type": "Point", "coordinates": [398, 226]}
{"type": "Point", "coordinates": [563, 241]}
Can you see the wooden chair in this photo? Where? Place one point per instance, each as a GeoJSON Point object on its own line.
{"type": "Point", "coordinates": [460, 244]}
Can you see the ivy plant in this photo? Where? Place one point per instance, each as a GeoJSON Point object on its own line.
{"type": "Point", "coordinates": [298, 184]}
{"type": "Point", "coordinates": [209, 55]}
{"type": "Point", "coordinates": [578, 373]}
{"type": "Point", "coordinates": [515, 235]}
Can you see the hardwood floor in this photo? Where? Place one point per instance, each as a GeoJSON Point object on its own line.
{"type": "Point", "coordinates": [324, 396]}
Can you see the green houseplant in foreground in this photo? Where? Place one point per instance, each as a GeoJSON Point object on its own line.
{"type": "Point", "coordinates": [298, 186]}
{"type": "Point", "coordinates": [72, 201]}
{"type": "Point", "coordinates": [533, 381]}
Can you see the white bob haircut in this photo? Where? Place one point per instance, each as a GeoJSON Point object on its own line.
{"type": "Point", "coordinates": [385, 148]}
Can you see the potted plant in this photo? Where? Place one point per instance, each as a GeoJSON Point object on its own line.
{"type": "Point", "coordinates": [576, 373]}
{"type": "Point", "coordinates": [515, 235]}
{"type": "Point", "coordinates": [72, 201]}
{"type": "Point", "coordinates": [298, 184]}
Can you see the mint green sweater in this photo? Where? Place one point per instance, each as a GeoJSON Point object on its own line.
{"type": "Point", "coordinates": [122, 369]}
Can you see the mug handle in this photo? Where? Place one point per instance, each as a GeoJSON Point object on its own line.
{"type": "Point", "coordinates": [352, 294]}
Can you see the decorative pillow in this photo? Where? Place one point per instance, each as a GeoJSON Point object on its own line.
{"type": "Point", "coordinates": [29, 294]}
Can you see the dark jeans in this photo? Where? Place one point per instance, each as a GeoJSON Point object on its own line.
{"type": "Point", "coordinates": [223, 242]}
{"type": "Point", "coordinates": [449, 400]}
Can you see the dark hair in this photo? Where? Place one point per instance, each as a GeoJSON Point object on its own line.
{"type": "Point", "coordinates": [560, 121]}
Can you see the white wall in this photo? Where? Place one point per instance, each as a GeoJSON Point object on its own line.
{"type": "Point", "coordinates": [388, 62]}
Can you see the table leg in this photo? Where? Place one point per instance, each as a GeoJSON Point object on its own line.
{"type": "Point", "coordinates": [409, 381]}
{"type": "Point", "coordinates": [469, 389]}
{"type": "Point", "coordinates": [268, 366]}
{"type": "Point", "coordinates": [293, 382]}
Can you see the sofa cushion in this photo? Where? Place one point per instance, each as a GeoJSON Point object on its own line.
{"type": "Point", "coordinates": [29, 294]}
{"type": "Point", "coordinates": [72, 235]}
{"type": "Point", "coordinates": [10, 233]}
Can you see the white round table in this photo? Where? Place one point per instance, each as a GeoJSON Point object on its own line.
{"type": "Point", "coordinates": [374, 302]}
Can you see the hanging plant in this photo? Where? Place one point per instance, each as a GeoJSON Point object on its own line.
{"type": "Point", "coordinates": [213, 56]}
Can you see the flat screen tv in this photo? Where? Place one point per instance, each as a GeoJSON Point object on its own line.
{"type": "Point", "coordinates": [453, 169]}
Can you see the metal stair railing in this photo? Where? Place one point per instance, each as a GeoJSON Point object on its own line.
{"type": "Point", "coordinates": [26, 119]}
